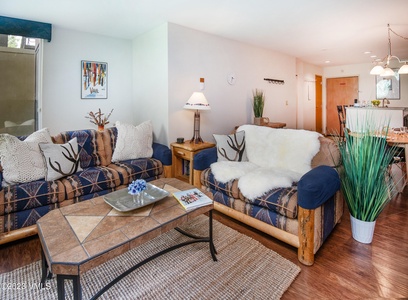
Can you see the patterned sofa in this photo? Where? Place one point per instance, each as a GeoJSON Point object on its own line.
{"type": "Point", "coordinates": [21, 205]}
{"type": "Point", "coordinates": [302, 215]}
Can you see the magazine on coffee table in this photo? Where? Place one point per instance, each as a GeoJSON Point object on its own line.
{"type": "Point", "coordinates": [192, 198]}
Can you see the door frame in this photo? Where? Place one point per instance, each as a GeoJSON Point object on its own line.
{"type": "Point", "coordinates": [319, 103]}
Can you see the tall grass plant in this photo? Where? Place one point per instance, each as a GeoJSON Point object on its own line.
{"type": "Point", "coordinates": [366, 182]}
{"type": "Point", "coordinates": [258, 103]}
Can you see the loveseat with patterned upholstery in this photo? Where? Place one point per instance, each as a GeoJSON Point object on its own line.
{"type": "Point", "coordinates": [280, 181]}
{"type": "Point", "coordinates": [22, 204]}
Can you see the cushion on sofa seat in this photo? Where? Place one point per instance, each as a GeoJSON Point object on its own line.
{"type": "Point", "coordinates": [30, 195]}
{"type": "Point", "coordinates": [133, 141]}
{"type": "Point", "coordinates": [142, 168]}
{"type": "Point", "coordinates": [90, 146]}
{"type": "Point", "coordinates": [268, 216]}
{"type": "Point", "coordinates": [317, 186]}
{"type": "Point", "coordinates": [328, 213]}
{"type": "Point", "coordinates": [25, 218]}
{"type": "Point", "coordinates": [87, 196]}
{"type": "Point", "coordinates": [280, 200]}
{"type": "Point", "coordinates": [91, 180]}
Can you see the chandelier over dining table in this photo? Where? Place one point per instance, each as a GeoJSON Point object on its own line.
{"type": "Point", "coordinates": [383, 66]}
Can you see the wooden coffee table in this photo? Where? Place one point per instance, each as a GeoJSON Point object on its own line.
{"type": "Point", "coordinates": [81, 236]}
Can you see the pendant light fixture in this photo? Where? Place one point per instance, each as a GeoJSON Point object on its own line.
{"type": "Point", "coordinates": [386, 70]}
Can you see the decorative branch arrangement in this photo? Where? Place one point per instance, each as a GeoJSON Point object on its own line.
{"type": "Point", "coordinates": [99, 118]}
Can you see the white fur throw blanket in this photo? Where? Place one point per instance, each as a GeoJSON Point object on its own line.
{"type": "Point", "coordinates": [277, 158]}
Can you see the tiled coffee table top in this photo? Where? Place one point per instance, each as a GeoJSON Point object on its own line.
{"type": "Point", "coordinates": [81, 236]}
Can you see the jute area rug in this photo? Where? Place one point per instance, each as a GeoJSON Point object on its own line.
{"type": "Point", "coordinates": [245, 270]}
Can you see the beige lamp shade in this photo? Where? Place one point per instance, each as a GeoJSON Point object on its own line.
{"type": "Point", "coordinates": [197, 101]}
{"type": "Point", "coordinates": [387, 72]}
{"type": "Point", "coordinates": [403, 69]}
{"type": "Point", "coordinates": [377, 70]}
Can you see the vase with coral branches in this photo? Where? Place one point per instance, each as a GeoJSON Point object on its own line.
{"type": "Point", "coordinates": [99, 118]}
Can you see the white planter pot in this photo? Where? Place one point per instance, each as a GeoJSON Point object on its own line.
{"type": "Point", "coordinates": [362, 231]}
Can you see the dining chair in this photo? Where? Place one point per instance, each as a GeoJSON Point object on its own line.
{"type": "Point", "coordinates": [342, 120]}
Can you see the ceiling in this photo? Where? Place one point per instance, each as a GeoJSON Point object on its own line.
{"type": "Point", "coordinates": [315, 31]}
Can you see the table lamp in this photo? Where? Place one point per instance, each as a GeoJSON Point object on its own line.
{"type": "Point", "coordinates": [198, 102]}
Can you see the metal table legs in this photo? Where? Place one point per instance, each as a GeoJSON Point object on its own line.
{"type": "Point", "coordinates": [46, 273]}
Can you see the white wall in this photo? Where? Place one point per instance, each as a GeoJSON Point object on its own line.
{"type": "Point", "coordinates": [306, 87]}
{"type": "Point", "coordinates": [150, 81]}
{"type": "Point", "coordinates": [194, 54]}
{"type": "Point", "coordinates": [152, 77]}
{"type": "Point", "coordinates": [62, 106]}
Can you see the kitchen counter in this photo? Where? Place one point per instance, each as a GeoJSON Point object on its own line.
{"type": "Point", "coordinates": [393, 116]}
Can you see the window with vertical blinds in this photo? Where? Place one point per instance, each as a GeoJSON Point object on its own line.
{"type": "Point", "coordinates": [18, 40]}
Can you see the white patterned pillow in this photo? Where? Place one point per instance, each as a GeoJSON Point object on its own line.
{"type": "Point", "coordinates": [61, 159]}
{"type": "Point", "coordinates": [133, 141]}
{"type": "Point", "coordinates": [231, 147]}
{"type": "Point", "coordinates": [22, 161]}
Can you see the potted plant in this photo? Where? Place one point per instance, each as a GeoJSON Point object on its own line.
{"type": "Point", "coordinates": [366, 183]}
{"type": "Point", "coordinates": [258, 104]}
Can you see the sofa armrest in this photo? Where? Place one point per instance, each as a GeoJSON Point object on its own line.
{"type": "Point", "coordinates": [204, 158]}
{"type": "Point", "coordinates": [162, 153]}
{"type": "Point", "coordinates": [317, 186]}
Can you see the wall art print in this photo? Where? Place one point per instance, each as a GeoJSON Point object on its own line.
{"type": "Point", "coordinates": [388, 87]}
{"type": "Point", "coordinates": [94, 83]}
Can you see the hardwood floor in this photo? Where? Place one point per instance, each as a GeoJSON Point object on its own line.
{"type": "Point", "coordinates": [343, 268]}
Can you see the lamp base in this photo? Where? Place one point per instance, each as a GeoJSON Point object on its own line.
{"type": "Point", "coordinates": [196, 139]}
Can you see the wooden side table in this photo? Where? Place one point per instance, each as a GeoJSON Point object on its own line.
{"type": "Point", "coordinates": [275, 125]}
{"type": "Point", "coordinates": [183, 159]}
{"type": "Point", "coordinates": [270, 124]}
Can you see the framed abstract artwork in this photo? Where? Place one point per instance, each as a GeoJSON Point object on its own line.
{"type": "Point", "coordinates": [94, 80]}
{"type": "Point", "coordinates": [388, 87]}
